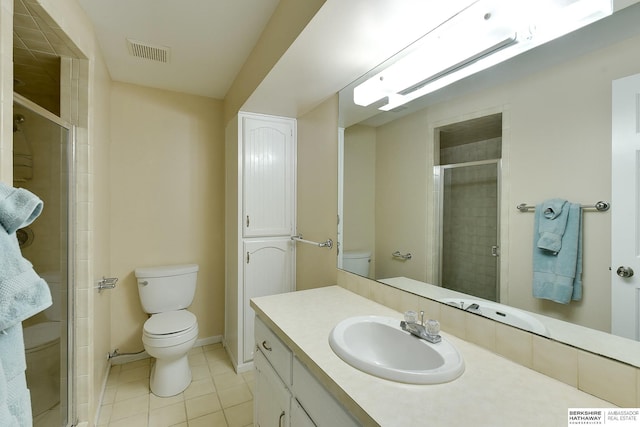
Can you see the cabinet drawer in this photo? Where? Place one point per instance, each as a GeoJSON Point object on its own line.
{"type": "Point", "coordinates": [274, 350]}
{"type": "Point", "coordinates": [323, 409]}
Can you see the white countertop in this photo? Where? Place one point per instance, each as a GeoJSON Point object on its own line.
{"type": "Point", "coordinates": [491, 392]}
{"type": "Point", "coordinates": [598, 342]}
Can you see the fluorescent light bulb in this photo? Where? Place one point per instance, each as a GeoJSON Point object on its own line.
{"type": "Point", "coordinates": [475, 32]}
{"type": "Point", "coordinates": [484, 34]}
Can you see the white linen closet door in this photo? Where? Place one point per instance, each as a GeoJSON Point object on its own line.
{"type": "Point", "coordinates": [625, 208]}
{"type": "Point", "coordinates": [268, 176]}
{"type": "Point", "coordinates": [268, 270]}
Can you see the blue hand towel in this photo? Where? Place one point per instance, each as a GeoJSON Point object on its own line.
{"type": "Point", "coordinates": [18, 208]}
{"type": "Point", "coordinates": [557, 276]}
{"type": "Point", "coordinates": [552, 223]}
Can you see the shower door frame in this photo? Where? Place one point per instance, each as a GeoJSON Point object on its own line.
{"type": "Point", "coordinates": [71, 203]}
{"type": "Point", "coordinates": [439, 186]}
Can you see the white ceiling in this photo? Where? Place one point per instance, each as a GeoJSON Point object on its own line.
{"type": "Point", "coordinates": [343, 41]}
{"type": "Point", "coordinates": [209, 40]}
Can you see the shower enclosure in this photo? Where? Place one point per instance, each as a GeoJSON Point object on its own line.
{"type": "Point", "coordinates": [42, 163]}
{"type": "Point", "coordinates": [468, 188]}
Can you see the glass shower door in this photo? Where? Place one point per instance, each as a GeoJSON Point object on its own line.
{"type": "Point", "coordinates": [469, 228]}
{"type": "Point", "coordinates": [42, 164]}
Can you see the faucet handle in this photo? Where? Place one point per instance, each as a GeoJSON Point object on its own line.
{"type": "Point", "coordinates": [410, 316]}
{"type": "Point", "coordinates": [433, 327]}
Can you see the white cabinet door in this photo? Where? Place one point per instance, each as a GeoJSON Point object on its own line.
{"type": "Point", "coordinates": [272, 399]}
{"type": "Point", "coordinates": [299, 417]}
{"type": "Point", "coordinates": [268, 154]}
{"type": "Point", "coordinates": [321, 407]}
{"type": "Point", "coordinates": [268, 270]}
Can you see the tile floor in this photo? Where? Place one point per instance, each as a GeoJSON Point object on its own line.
{"type": "Point", "coordinates": [217, 396]}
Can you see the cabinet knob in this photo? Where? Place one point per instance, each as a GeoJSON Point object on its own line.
{"type": "Point", "coordinates": [266, 346]}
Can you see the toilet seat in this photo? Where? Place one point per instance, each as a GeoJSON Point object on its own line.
{"type": "Point", "coordinates": [170, 328]}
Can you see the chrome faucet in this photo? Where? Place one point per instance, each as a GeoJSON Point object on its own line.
{"type": "Point", "coordinates": [472, 307]}
{"type": "Point", "coordinates": [428, 332]}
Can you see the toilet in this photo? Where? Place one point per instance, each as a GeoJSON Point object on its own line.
{"type": "Point", "coordinates": [171, 331]}
{"type": "Point", "coordinates": [357, 262]}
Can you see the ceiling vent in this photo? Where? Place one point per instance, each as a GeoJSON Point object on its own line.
{"type": "Point", "coordinates": [147, 51]}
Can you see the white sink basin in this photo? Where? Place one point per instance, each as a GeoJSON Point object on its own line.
{"type": "Point", "coordinates": [377, 346]}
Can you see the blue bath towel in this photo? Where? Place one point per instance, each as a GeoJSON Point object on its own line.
{"type": "Point", "coordinates": [551, 224]}
{"type": "Point", "coordinates": [22, 294]}
{"type": "Point", "coordinates": [557, 276]}
{"type": "Point", "coordinates": [6, 417]}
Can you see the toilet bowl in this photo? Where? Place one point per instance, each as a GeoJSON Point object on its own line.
{"type": "Point", "coordinates": [171, 331]}
{"type": "Point", "coordinates": [168, 337]}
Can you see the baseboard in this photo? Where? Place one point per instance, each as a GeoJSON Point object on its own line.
{"type": "Point", "coordinates": [209, 340]}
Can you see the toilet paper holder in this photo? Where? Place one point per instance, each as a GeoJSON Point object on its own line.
{"type": "Point", "coordinates": [107, 283]}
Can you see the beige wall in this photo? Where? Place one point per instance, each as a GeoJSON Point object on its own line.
{"type": "Point", "coordinates": [359, 191]}
{"type": "Point", "coordinates": [401, 152]}
{"type": "Point", "coordinates": [317, 194]}
{"type": "Point", "coordinates": [286, 23]}
{"type": "Point", "coordinates": [167, 201]}
{"type": "Point", "coordinates": [556, 143]}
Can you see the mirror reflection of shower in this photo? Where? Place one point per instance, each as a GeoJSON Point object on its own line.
{"type": "Point", "coordinates": [469, 154]}
{"type": "Point", "coordinates": [41, 147]}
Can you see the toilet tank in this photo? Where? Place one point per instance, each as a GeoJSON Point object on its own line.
{"type": "Point", "coordinates": [356, 262]}
{"type": "Point", "coordinates": [166, 288]}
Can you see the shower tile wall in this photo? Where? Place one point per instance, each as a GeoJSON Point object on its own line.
{"type": "Point", "coordinates": [470, 220]}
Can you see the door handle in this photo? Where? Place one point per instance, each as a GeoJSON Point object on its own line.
{"type": "Point", "coordinates": [625, 272]}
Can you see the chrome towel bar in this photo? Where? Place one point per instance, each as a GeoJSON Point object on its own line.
{"type": "Point", "coordinates": [599, 206]}
{"type": "Point", "coordinates": [326, 244]}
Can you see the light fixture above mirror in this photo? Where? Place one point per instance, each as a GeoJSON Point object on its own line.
{"type": "Point", "coordinates": [484, 34]}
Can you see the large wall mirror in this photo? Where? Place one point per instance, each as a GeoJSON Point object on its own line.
{"type": "Point", "coordinates": [429, 189]}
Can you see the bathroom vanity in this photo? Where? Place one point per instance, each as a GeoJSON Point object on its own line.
{"type": "Point", "coordinates": [308, 381]}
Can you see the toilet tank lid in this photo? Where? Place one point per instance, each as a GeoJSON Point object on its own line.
{"type": "Point", "coordinates": [166, 270]}
{"type": "Point", "coordinates": [356, 254]}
